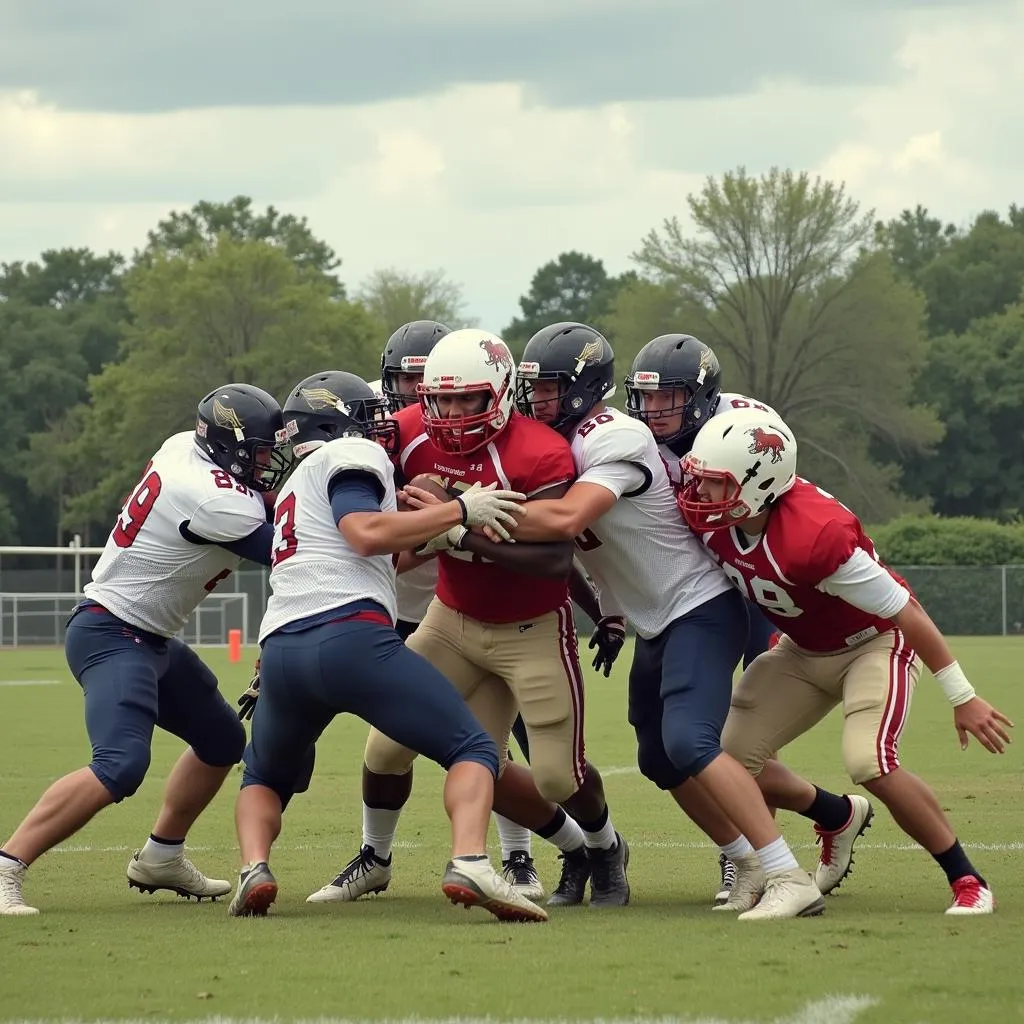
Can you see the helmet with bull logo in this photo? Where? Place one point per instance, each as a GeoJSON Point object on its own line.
{"type": "Point", "coordinates": [473, 363]}
{"type": "Point", "coordinates": [749, 451]}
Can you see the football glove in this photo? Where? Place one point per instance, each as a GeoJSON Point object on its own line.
{"type": "Point", "coordinates": [448, 541]}
{"type": "Point", "coordinates": [247, 702]}
{"type": "Point", "coordinates": [486, 507]}
{"type": "Point", "coordinates": [608, 638]}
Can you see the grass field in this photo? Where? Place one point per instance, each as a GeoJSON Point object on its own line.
{"type": "Point", "coordinates": [883, 951]}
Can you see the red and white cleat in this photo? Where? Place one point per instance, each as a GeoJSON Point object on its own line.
{"type": "Point", "coordinates": [970, 896]}
{"type": "Point", "coordinates": [836, 859]}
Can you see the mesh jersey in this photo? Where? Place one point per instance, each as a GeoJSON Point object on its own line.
{"type": "Point", "coordinates": [809, 535]}
{"type": "Point", "coordinates": [314, 570]}
{"type": "Point", "coordinates": [414, 589]}
{"type": "Point", "coordinates": [727, 402]}
{"type": "Point", "coordinates": [526, 456]}
{"type": "Point", "coordinates": [148, 574]}
{"type": "Point", "coordinates": [640, 550]}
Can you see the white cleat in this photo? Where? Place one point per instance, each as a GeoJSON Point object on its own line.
{"type": "Point", "coordinates": [748, 884]}
{"type": "Point", "coordinates": [12, 902]}
{"type": "Point", "coordinates": [971, 897]}
{"type": "Point", "coordinates": [521, 874]}
{"type": "Point", "coordinates": [836, 859]}
{"type": "Point", "coordinates": [787, 894]}
{"type": "Point", "coordinates": [179, 875]}
{"type": "Point", "coordinates": [728, 870]}
{"type": "Point", "coordinates": [364, 874]}
{"type": "Point", "coordinates": [476, 884]}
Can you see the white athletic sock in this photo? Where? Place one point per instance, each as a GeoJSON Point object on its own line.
{"type": "Point", "coordinates": [569, 838]}
{"type": "Point", "coordinates": [777, 856]}
{"type": "Point", "coordinates": [604, 838]}
{"type": "Point", "coordinates": [737, 848]}
{"type": "Point", "coordinates": [162, 853]}
{"type": "Point", "coordinates": [379, 828]}
{"type": "Point", "coordinates": [512, 836]}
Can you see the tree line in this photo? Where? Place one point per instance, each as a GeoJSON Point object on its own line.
{"type": "Point", "coordinates": [894, 349]}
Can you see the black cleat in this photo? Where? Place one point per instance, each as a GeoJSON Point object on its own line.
{"type": "Point", "coordinates": [609, 886]}
{"type": "Point", "coordinates": [572, 886]}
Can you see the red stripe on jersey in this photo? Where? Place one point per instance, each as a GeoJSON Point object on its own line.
{"type": "Point", "coordinates": [568, 648]}
{"type": "Point", "coordinates": [897, 705]}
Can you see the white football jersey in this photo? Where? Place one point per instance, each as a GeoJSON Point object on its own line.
{"type": "Point", "coordinates": [415, 588]}
{"type": "Point", "coordinates": [314, 569]}
{"type": "Point", "coordinates": [727, 402]}
{"type": "Point", "coordinates": [148, 574]}
{"type": "Point", "coordinates": [640, 550]}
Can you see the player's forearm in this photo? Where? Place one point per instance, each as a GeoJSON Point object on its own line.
{"type": "Point", "coordinates": [384, 533]}
{"type": "Point", "coordinates": [410, 560]}
{"type": "Point", "coordinates": [923, 636]}
{"type": "Point", "coordinates": [549, 521]}
{"type": "Point", "coordinates": [553, 561]}
{"type": "Point", "coordinates": [584, 594]}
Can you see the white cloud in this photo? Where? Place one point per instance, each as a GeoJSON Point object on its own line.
{"type": "Point", "coordinates": [488, 183]}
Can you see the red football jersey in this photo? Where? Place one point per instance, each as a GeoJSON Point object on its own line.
{"type": "Point", "coordinates": [809, 535]}
{"type": "Point", "coordinates": [527, 456]}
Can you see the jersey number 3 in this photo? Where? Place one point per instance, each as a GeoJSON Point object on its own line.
{"type": "Point", "coordinates": [284, 519]}
{"type": "Point", "coordinates": [136, 510]}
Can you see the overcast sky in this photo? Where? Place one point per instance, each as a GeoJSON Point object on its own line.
{"type": "Point", "coordinates": [486, 139]}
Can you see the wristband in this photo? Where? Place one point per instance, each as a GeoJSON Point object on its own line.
{"type": "Point", "coordinates": [954, 684]}
{"type": "Point", "coordinates": [465, 512]}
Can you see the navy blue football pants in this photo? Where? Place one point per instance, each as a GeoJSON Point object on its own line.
{"type": "Point", "coordinates": [134, 681]}
{"type": "Point", "coordinates": [680, 687]}
{"type": "Point", "coordinates": [362, 668]}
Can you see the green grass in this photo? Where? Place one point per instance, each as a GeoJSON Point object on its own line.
{"type": "Point", "coordinates": [98, 950]}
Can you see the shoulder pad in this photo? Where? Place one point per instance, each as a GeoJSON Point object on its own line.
{"type": "Point", "coordinates": [618, 439]}
{"type": "Point", "coordinates": [355, 453]}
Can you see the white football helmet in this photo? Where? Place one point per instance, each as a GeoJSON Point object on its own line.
{"type": "Point", "coordinates": [752, 452]}
{"type": "Point", "coordinates": [467, 362]}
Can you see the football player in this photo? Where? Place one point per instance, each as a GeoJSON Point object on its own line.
{"type": "Point", "coordinates": [691, 624]}
{"type": "Point", "coordinates": [333, 606]}
{"type": "Point", "coordinates": [501, 626]}
{"type": "Point", "coordinates": [200, 507]}
{"type": "Point", "coordinates": [674, 386]}
{"type": "Point", "coordinates": [853, 634]}
{"type": "Point", "coordinates": [401, 371]}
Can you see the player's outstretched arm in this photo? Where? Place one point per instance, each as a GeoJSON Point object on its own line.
{"type": "Point", "coordinates": [383, 533]}
{"type": "Point", "coordinates": [566, 518]}
{"type": "Point", "coordinates": [971, 714]}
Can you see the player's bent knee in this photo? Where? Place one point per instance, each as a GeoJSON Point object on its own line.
{"type": "Point", "coordinates": [655, 766]}
{"type": "Point", "coordinates": [122, 772]}
{"type": "Point", "coordinates": [478, 749]}
{"type": "Point", "coordinates": [862, 768]}
{"type": "Point", "coordinates": [554, 783]}
{"type": "Point", "coordinates": [222, 746]}
{"type": "Point", "coordinates": [284, 793]}
{"type": "Point", "coordinates": [691, 748]}
{"type": "Point", "coordinates": [383, 756]}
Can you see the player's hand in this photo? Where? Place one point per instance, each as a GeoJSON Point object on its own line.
{"type": "Point", "coordinates": [247, 702]}
{"type": "Point", "coordinates": [608, 638]}
{"type": "Point", "coordinates": [982, 721]}
{"type": "Point", "coordinates": [450, 540]}
{"type": "Point", "coordinates": [486, 507]}
{"type": "Point", "coordinates": [416, 497]}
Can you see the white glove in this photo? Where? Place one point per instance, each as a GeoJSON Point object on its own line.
{"type": "Point", "coordinates": [484, 506]}
{"type": "Point", "coordinates": [447, 541]}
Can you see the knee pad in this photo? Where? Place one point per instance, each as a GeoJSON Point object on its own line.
{"type": "Point", "coordinates": [692, 748]}
{"type": "Point", "coordinates": [383, 756]}
{"type": "Point", "coordinates": [222, 742]}
{"type": "Point", "coordinates": [740, 746]}
{"type": "Point", "coordinates": [122, 771]}
{"type": "Point", "coordinates": [554, 786]}
{"type": "Point", "coordinates": [655, 766]}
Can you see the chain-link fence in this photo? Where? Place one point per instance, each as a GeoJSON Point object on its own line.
{"type": "Point", "coordinates": [984, 600]}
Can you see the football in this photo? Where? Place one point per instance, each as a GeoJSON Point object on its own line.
{"type": "Point", "coordinates": [425, 482]}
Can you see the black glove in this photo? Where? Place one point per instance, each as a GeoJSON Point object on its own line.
{"type": "Point", "coordinates": [608, 638]}
{"type": "Point", "coordinates": [247, 702]}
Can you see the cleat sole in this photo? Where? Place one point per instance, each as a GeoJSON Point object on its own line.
{"type": "Point", "coordinates": [258, 900]}
{"type": "Point", "coordinates": [463, 895]}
